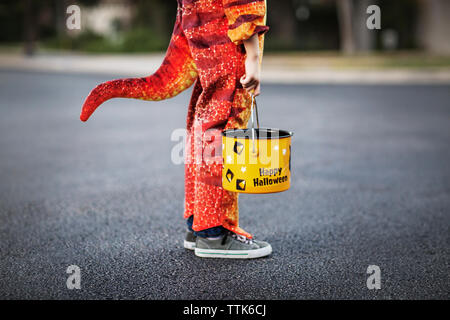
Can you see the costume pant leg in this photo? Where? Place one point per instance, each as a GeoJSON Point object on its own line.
{"type": "Point", "coordinates": [217, 104]}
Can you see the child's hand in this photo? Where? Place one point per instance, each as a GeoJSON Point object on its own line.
{"type": "Point", "coordinates": [251, 79]}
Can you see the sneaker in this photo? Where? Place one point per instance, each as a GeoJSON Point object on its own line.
{"type": "Point", "coordinates": [189, 241]}
{"type": "Point", "coordinates": [231, 246]}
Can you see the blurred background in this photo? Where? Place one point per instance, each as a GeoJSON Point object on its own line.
{"type": "Point", "coordinates": [144, 25]}
{"type": "Point", "coordinates": [413, 33]}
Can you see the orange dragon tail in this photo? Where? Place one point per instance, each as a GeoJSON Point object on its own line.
{"type": "Point", "coordinates": [177, 73]}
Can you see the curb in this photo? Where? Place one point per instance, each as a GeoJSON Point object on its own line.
{"type": "Point", "coordinates": [142, 65]}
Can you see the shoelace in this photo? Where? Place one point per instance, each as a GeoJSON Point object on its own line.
{"type": "Point", "coordinates": [238, 237]}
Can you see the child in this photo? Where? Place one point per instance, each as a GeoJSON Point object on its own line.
{"type": "Point", "coordinates": [218, 45]}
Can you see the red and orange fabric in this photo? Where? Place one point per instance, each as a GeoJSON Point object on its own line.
{"type": "Point", "coordinates": [205, 48]}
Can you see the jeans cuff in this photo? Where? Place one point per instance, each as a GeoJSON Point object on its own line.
{"type": "Point", "coordinates": [210, 232]}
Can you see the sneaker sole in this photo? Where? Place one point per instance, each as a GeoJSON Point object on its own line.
{"type": "Point", "coordinates": [233, 254]}
{"type": "Point", "coordinates": [189, 245]}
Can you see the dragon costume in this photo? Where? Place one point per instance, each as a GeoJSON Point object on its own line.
{"type": "Point", "coordinates": [206, 48]}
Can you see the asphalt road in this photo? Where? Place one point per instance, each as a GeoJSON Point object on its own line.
{"type": "Point", "coordinates": [371, 186]}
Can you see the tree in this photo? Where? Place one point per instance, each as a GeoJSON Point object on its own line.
{"type": "Point", "coordinates": [30, 28]}
{"type": "Point", "coordinates": [345, 14]}
{"type": "Point", "coordinates": [434, 26]}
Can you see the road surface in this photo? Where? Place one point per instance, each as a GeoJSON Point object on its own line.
{"type": "Point", "coordinates": [371, 186]}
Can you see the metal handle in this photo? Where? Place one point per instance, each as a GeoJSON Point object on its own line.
{"type": "Point", "coordinates": [254, 108]}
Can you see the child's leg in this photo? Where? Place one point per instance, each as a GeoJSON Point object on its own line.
{"type": "Point", "coordinates": [205, 198]}
{"type": "Point", "coordinates": [204, 195]}
{"type": "Point", "coordinates": [218, 102]}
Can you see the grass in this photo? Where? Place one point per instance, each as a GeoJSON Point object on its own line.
{"type": "Point", "coordinates": [335, 60]}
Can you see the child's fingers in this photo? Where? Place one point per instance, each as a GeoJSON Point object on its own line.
{"type": "Point", "coordinates": [251, 84]}
{"type": "Point", "coordinates": [246, 81]}
{"type": "Point", "coordinates": [254, 89]}
{"type": "Point", "coordinates": [251, 89]}
{"type": "Point", "coordinates": [257, 91]}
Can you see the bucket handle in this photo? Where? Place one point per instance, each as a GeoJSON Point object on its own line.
{"type": "Point", "coordinates": [254, 109]}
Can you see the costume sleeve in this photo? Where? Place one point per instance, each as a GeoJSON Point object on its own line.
{"type": "Point", "coordinates": [245, 18]}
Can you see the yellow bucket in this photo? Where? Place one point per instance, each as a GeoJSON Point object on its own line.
{"type": "Point", "coordinates": [256, 160]}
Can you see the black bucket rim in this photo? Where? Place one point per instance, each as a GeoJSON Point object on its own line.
{"type": "Point", "coordinates": [247, 133]}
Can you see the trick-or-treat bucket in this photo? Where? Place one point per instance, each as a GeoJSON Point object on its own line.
{"type": "Point", "coordinates": [256, 160]}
